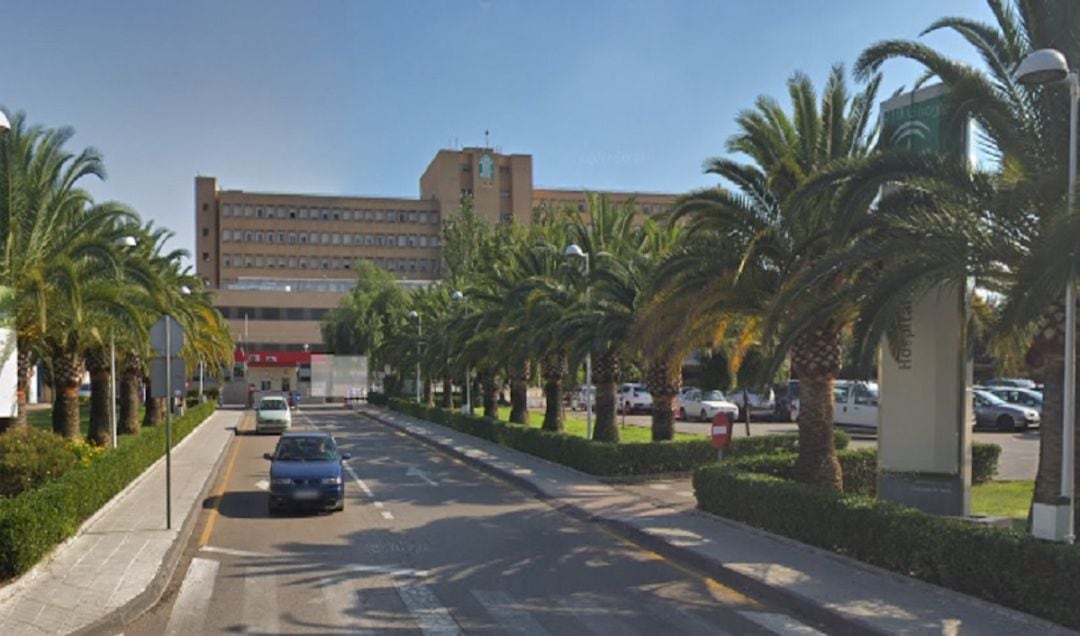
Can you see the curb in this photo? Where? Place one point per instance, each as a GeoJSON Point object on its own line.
{"type": "Point", "coordinates": [116, 619]}
{"type": "Point", "coordinates": [831, 622]}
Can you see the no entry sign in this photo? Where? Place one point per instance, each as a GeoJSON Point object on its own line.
{"type": "Point", "coordinates": [721, 430]}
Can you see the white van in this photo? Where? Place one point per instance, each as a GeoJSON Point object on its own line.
{"type": "Point", "coordinates": [855, 404]}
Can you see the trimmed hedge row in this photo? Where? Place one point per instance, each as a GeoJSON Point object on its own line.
{"type": "Point", "coordinates": [770, 444]}
{"type": "Point", "coordinates": [1004, 567]}
{"type": "Point", "coordinates": [35, 521]}
{"type": "Point", "coordinates": [596, 458]}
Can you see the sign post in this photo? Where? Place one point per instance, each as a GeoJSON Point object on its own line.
{"type": "Point", "coordinates": [167, 338]}
{"type": "Point", "coordinates": [721, 433]}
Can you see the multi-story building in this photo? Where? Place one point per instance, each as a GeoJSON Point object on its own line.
{"type": "Point", "coordinates": [281, 261]}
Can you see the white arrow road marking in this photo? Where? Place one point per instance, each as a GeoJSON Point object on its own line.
{"type": "Point", "coordinates": [413, 471]}
{"type": "Point", "coordinates": [263, 484]}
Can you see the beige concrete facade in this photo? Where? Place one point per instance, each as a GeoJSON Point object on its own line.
{"type": "Point", "coordinates": [283, 260]}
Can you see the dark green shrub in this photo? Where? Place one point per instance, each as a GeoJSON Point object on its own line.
{"type": "Point", "coordinates": [1003, 567]}
{"type": "Point", "coordinates": [33, 522]}
{"type": "Point", "coordinates": [768, 444]}
{"type": "Point", "coordinates": [377, 398]}
{"type": "Point", "coordinates": [984, 461]}
{"type": "Point", "coordinates": [30, 457]}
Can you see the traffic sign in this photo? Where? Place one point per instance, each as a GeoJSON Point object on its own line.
{"type": "Point", "coordinates": [158, 336]}
{"type": "Point", "coordinates": [721, 430]}
{"type": "Point", "coordinates": [158, 388]}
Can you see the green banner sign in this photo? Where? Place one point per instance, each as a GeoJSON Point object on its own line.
{"type": "Point", "coordinates": [918, 121]}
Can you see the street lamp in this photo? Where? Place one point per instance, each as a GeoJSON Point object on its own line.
{"type": "Point", "coordinates": [1055, 521]}
{"type": "Point", "coordinates": [127, 241]}
{"type": "Point", "coordinates": [467, 407]}
{"type": "Point", "coordinates": [5, 125]}
{"type": "Point", "coordinates": [574, 251]}
{"type": "Point", "coordinates": [419, 335]}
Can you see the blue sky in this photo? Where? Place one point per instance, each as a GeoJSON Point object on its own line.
{"type": "Point", "coordinates": [355, 97]}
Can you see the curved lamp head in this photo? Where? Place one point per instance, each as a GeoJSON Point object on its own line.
{"type": "Point", "coordinates": [457, 296]}
{"type": "Point", "coordinates": [185, 290]}
{"type": "Point", "coordinates": [1044, 66]}
{"type": "Point", "coordinates": [413, 314]}
{"type": "Point", "coordinates": [129, 241]}
{"type": "Point", "coordinates": [5, 125]}
{"type": "Point", "coordinates": [575, 250]}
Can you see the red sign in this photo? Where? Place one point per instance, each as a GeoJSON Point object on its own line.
{"type": "Point", "coordinates": [721, 430]}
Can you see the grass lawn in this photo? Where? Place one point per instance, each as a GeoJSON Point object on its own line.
{"type": "Point", "coordinates": [42, 418]}
{"type": "Point", "coordinates": [576, 426]}
{"type": "Point", "coordinates": [1004, 499]}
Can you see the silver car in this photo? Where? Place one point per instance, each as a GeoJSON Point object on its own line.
{"type": "Point", "coordinates": [994, 412]}
{"type": "Point", "coordinates": [273, 415]}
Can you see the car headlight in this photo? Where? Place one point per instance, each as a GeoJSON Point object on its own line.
{"type": "Point", "coordinates": [330, 481]}
{"type": "Point", "coordinates": [280, 481]}
{"type": "Point", "coordinates": [1031, 416]}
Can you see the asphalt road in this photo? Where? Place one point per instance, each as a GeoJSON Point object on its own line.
{"type": "Point", "coordinates": [427, 544]}
{"type": "Point", "coordinates": [1019, 450]}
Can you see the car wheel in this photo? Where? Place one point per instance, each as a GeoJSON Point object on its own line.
{"type": "Point", "coordinates": [682, 414]}
{"type": "Point", "coordinates": [704, 416]}
{"type": "Point", "coordinates": [1005, 423]}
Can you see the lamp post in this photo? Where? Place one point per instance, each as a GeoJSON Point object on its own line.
{"type": "Point", "coordinates": [1055, 522]}
{"type": "Point", "coordinates": [419, 335]}
{"type": "Point", "coordinates": [575, 251]}
{"type": "Point", "coordinates": [467, 407]}
{"type": "Point", "coordinates": [127, 241]}
{"type": "Point", "coordinates": [5, 125]}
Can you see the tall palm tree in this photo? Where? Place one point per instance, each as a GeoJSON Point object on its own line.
{"type": "Point", "coordinates": [40, 206]}
{"type": "Point", "coordinates": [760, 241]}
{"type": "Point", "coordinates": [1019, 206]}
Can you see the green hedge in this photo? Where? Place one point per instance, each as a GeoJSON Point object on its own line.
{"type": "Point", "coordinates": [596, 458]}
{"type": "Point", "coordinates": [377, 398]}
{"type": "Point", "coordinates": [35, 521]}
{"type": "Point", "coordinates": [769, 444]}
{"type": "Point", "coordinates": [1003, 567]}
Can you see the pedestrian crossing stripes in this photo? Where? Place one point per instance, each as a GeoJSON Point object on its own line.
{"type": "Point", "coordinates": [272, 595]}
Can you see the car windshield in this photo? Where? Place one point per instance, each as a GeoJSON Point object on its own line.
{"type": "Point", "coordinates": [990, 398]}
{"type": "Point", "coordinates": [715, 396]}
{"type": "Point", "coordinates": [305, 449]}
{"type": "Point", "coordinates": [272, 405]}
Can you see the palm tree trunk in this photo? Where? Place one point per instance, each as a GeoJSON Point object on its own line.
{"type": "Point", "coordinates": [663, 380]}
{"type": "Point", "coordinates": [155, 407]}
{"type": "Point", "coordinates": [519, 394]}
{"type": "Point", "coordinates": [429, 393]}
{"type": "Point", "coordinates": [100, 400]}
{"type": "Point", "coordinates": [489, 387]}
{"type": "Point", "coordinates": [816, 359]}
{"type": "Point", "coordinates": [25, 366]}
{"type": "Point", "coordinates": [447, 392]}
{"type": "Point", "coordinates": [67, 375]}
{"type": "Point", "coordinates": [605, 373]}
{"type": "Point", "coordinates": [128, 416]}
{"type": "Point", "coordinates": [554, 371]}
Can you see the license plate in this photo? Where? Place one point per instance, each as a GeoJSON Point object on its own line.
{"type": "Point", "coordinates": [306, 494]}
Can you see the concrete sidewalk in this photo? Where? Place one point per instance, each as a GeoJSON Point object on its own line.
{"type": "Point", "coordinates": [814, 580]}
{"type": "Point", "coordinates": [120, 560]}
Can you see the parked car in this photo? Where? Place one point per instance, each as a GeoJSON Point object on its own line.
{"type": "Point", "coordinates": [1022, 397]}
{"type": "Point", "coordinates": [634, 398]}
{"type": "Point", "coordinates": [762, 403]}
{"type": "Point", "coordinates": [787, 402]}
{"type": "Point", "coordinates": [306, 472]}
{"type": "Point", "coordinates": [855, 404]}
{"type": "Point", "coordinates": [994, 412]}
{"type": "Point", "coordinates": [704, 405]}
{"type": "Point", "coordinates": [578, 398]}
{"type": "Point", "coordinates": [1021, 383]}
{"type": "Point", "coordinates": [273, 415]}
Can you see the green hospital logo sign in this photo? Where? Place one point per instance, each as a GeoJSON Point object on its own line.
{"type": "Point", "coordinates": [917, 121]}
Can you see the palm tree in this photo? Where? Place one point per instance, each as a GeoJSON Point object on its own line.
{"type": "Point", "coordinates": [40, 218]}
{"type": "Point", "coordinates": [1020, 206]}
{"type": "Point", "coordinates": [760, 241]}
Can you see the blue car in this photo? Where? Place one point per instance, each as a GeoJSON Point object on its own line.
{"type": "Point", "coordinates": [306, 472]}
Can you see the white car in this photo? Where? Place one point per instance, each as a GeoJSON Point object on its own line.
{"type": "Point", "coordinates": [273, 415]}
{"type": "Point", "coordinates": [634, 397]}
{"type": "Point", "coordinates": [855, 404]}
{"type": "Point", "coordinates": [704, 405]}
{"type": "Point", "coordinates": [762, 403]}
{"type": "Point", "coordinates": [578, 399]}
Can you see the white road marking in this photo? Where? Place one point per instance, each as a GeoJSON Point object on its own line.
{"type": "Point", "coordinates": [508, 613]}
{"type": "Point", "coordinates": [337, 601]}
{"type": "Point", "coordinates": [598, 619]}
{"type": "Point", "coordinates": [378, 504]}
{"type": "Point", "coordinates": [683, 621]}
{"type": "Point", "coordinates": [232, 552]}
{"type": "Point", "coordinates": [413, 471]}
{"type": "Point", "coordinates": [189, 610]}
{"type": "Point", "coordinates": [386, 515]}
{"type": "Point", "coordinates": [431, 617]}
{"type": "Point", "coordinates": [263, 484]}
{"type": "Point", "coordinates": [779, 623]}
{"type": "Point", "coordinates": [260, 615]}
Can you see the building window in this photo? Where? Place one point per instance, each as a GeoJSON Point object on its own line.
{"type": "Point", "coordinates": [205, 256]}
{"type": "Point", "coordinates": [369, 240]}
{"type": "Point", "coordinates": [281, 261]}
{"type": "Point", "coordinates": [423, 241]}
{"type": "Point", "coordinates": [237, 235]}
{"type": "Point", "coordinates": [504, 169]}
{"type": "Point", "coordinates": [379, 240]}
{"type": "Point", "coordinates": [335, 239]}
{"type": "Point", "coordinates": [325, 264]}
{"type": "Point", "coordinates": [292, 214]}
{"type": "Point", "coordinates": [258, 213]}
{"type": "Point", "coordinates": [337, 215]}
{"type": "Point", "coordinates": [313, 238]}
{"type": "Point", "coordinates": [303, 237]}
{"type": "Point", "coordinates": [336, 263]}
{"type": "Point", "coordinates": [247, 237]}
{"type": "Point", "coordinates": [226, 210]}
{"type": "Point", "coordinates": [412, 240]}
{"type": "Point", "coordinates": [346, 239]}
{"type": "Point", "coordinates": [412, 265]}
{"type": "Point", "coordinates": [325, 217]}
{"type": "Point", "coordinates": [280, 237]}
{"type": "Point", "coordinates": [423, 264]}
{"type": "Point", "coordinates": [248, 262]}
{"type": "Point", "coordinates": [225, 236]}
{"type": "Point", "coordinates": [292, 238]}
{"type": "Point", "coordinates": [292, 262]}
{"type": "Point", "coordinates": [228, 262]}
{"type": "Point", "coordinates": [325, 238]}
{"type": "Point", "coordinates": [401, 240]}
{"type": "Point", "coordinates": [368, 215]}
{"type": "Point", "coordinates": [466, 167]}
{"type": "Point", "coordinates": [423, 217]}
{"type": "Point", "coordinates": [303, 263]}
{"type": "Point", "coordinates": [391, 264]}
{"type": "Point", "coordinates": [258, 261]}
{"type": "Point", "coordinates": [504, 194]}
{"type": "Point", "coordinates": [434, 217]}
{"type": "Point", "coordinates": [206, 231]}
{"type": "Point", "coordinates": [466, 193]}
{"type": "Point", "coordinates": [402, 217]}
{"type": "Point", "coordinates": [379, 216]}
{"type": "Point", "coordinates": [434, 266]}
{"type": "Point", "coordinates": [434, 240]}
{"type": "Point", "coordinates": [303, 213]}
{"type": "Point", "coordinates": [258, 237]}
{"type": "Point", "coordinates": [248, 211]}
